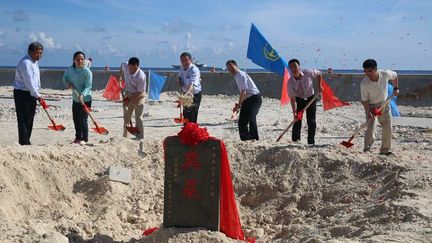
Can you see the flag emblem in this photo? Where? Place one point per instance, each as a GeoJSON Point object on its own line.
{"type": "Point", "coordinates": [270, 53]}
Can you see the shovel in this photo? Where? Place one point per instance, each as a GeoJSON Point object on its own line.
{"type": "Point", "coordinates": [97, 128]}
{"type": "Point", "coordinates": [298, 118]}
{"type": "Point", "coordinates": [181, 119]}
{"type": "Point", "coordinates": [349, 144]}
{"type": "Point", "coordinates": [54, 127]}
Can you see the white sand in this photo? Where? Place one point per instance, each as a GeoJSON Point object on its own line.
{"type": "Point", "coordinates": [285, 191]}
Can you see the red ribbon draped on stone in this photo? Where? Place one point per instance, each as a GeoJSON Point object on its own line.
{"type": "Point", "coordinates": [191, 134]}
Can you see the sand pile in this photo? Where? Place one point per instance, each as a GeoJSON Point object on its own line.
{"type": "Point", "coordinates": [54, 192]}
{"type": "Point", "coordinates": [284, 193]}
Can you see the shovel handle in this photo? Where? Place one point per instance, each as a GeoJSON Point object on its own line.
{"type": "Point", "coordinates": [49, 117]}
{"type": "Point", "coordinates": [286, 130]}
{"type": "Point", "coordinates": [295, 119]}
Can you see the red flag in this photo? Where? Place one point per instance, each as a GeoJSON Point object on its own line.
{"type": "Point", "coordinates": [284, 94]}
{"type": "Point", "coordinates": [112, 89]}
{"type": "Point", "coordinates": [330, 101]}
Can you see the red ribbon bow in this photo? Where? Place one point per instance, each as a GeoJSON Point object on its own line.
{"type": "Point", "coordinates": [191, 134]}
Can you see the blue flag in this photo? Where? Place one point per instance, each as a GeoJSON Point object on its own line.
{"type": "Point", "coordinates": [156, 84]}
{"type": "Point", "coordinates": [393, 106]}
{"type": "Point", "coordinates": [262, 53]}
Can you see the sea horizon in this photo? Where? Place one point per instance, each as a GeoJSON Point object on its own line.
{"type": "Point", "coordinates": [253, 70]}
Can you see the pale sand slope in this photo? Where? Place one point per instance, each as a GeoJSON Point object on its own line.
{"type": "Point", "coordinates": [285, 191]}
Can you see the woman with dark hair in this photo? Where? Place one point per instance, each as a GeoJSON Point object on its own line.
{"type": "Point", "coordinates": [78, 77]}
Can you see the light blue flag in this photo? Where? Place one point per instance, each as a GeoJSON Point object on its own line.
{"type": "Point", "coordinates": [262, 53]}
{"type": "Point", "coordinates": [155, 86]}
{"type": "Point", "coordinates": [393, 106]}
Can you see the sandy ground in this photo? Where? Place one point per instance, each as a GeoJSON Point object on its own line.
{"type": "Point", "coordinates": [285, 191]}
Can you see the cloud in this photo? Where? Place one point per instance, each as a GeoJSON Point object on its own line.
{"type": "Point", "coordinates": [98, 29]}
{"type": "Point", "coordinates": [178, 26]}
{"type": "Point", "coordinates": [139, 31]}
{"type": "Point", "coordinates": [46, 41]}
{"type": "Point", "coordinates": [229, 45]}
{"type": "Point", "coordinates": [189, 45]}
{"type": "Point", "coordinates": [232, 27]}
{"type": "Point", "coordinates": [109, 37]}
{"type": "Point", "coordinates": [20, 16]}
{"type": "Point", "coordinates": [218, 38]}
{"type": "Point", "coordinates": [109, 50]}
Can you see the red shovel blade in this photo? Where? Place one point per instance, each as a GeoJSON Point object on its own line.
{"type": "Point", "coordinates": [181, 120]}
{"type": "Point", "coordinates": [57, 127]}
{"type": "Point", "coordinates": [347, 144]}
{"type": "Point", "coordinates": [133, 130]}
{"type": "Point", "coordinates": [100, 130]}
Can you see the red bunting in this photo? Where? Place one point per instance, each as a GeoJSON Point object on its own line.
{"type": "Point", "coordinates": [112, 89]}
{"type": "Point", "coordinates": [329, 100]}
{"type": "Point", "coordinates": [284, 94]}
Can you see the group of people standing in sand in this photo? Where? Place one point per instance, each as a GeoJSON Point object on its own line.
{"type": "Point", "coordinates": [301, 90]}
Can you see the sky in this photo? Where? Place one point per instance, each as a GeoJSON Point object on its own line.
{"type": "Point", "coordinates": [339, 34]}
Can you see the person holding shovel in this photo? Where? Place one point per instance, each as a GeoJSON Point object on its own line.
{"type": "Point", "coordinates": [249, 102]}
{"type": "Point", "coordinates": [301, 91]}
{"type": "Point", "coordinates": [373, 92]}
{"type": "Point", "coordinates": [189, 79]}
{"type": "Point", "coordinates": [26, 91]}
{"type": "Point", "coordinates": [135, 80]}
{"type": "Point", "coordinates": [79, 78]}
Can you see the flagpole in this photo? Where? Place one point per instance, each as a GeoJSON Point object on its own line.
{"type": "Point", "coordinates": [148, 91]}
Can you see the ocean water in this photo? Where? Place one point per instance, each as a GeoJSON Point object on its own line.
{"type": "Point", "coordinates": [253, 70]}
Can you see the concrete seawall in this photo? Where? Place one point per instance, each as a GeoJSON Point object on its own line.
{"type": "Point", "coordinates": [416, 90]}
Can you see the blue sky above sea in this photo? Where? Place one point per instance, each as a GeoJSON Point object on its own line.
{"type": "Point", "coordinates": [322, 34]}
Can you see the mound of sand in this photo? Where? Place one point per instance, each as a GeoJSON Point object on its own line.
{"type": "Point", "coordinates": [54, 192]}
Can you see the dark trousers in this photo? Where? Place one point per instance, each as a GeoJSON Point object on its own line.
{"type": "Point", "coordinates": [80, 118]}
{"type": "Point", "coordinates": [25, 106]}
{"type": "Point", "coordinates": [191, 113]}
{"type": "Point", "coordinates": [247, 124]}
{"type": "Point", "coordinates": [310, 116]}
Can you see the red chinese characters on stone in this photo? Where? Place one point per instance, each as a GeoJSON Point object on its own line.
{"type": "Point", "coordinates": [190, 190]}
{"type": "Point", "coordinates": [191, 161]}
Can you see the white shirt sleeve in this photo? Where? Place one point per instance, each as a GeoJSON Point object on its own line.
{"type": "Point", "coordinates": [242, 82]}
{"type": "Point", "coordinates": [141, 87]}
{"type": "Point", "coordinates": [30, 81]}
{"type": "Point", "coordinates": [392, 75]}
{"type": "Point", "coordinates": [194, 77]}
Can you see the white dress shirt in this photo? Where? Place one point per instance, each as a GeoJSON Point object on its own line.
{"type": "Point", "coordinates": [27, 76]}
{"type": "Point", "coordinates": [191, 75]}
{"type": "Point", "coordinates": [135, 82]}
{"type": "Point", "coordinates": [245, 82]}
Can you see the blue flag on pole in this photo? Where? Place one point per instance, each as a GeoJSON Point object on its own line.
{"type": "Point", "coordinates": [393, 106]}
{"type": "Point", "coordinates": [262, 53]}
{"type": "Point", "coordinates": [155, 86]}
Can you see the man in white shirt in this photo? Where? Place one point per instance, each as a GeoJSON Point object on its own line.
{"type": "Point", "coordinates": [373, 92]}
{"type": "Point", "coordinates": [135, 80]}
{"type": "Point", "coordinates": [26, 91]}
{"type": "Point", "coordinates": [249, 102]}
{"type": "Point", "coordinates": [189, 79]}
